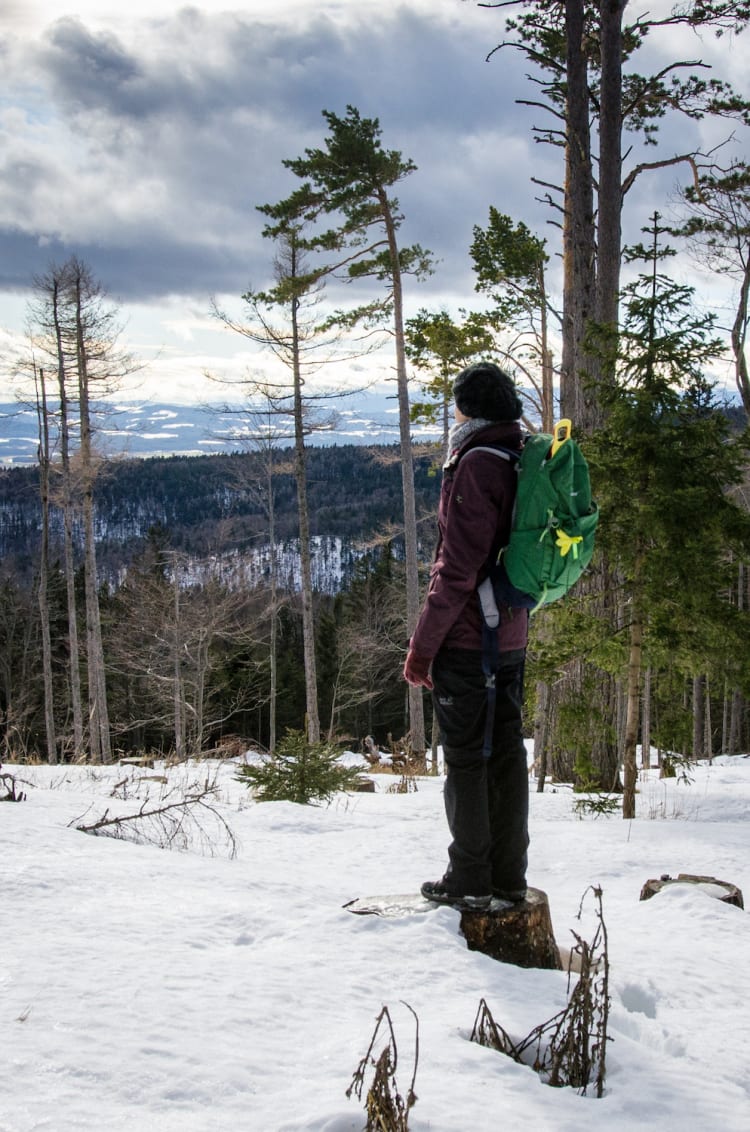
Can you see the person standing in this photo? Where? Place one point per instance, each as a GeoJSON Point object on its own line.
{"type": "Point", "coordinates": [486, 792]}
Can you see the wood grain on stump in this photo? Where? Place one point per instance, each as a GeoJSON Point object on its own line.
{"type": "Point", "coordinates": [520, 934]}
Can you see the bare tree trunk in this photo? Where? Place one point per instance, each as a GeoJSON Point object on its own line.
{"type": "Point", "coordinates": [735, 722]}
{"type": "Point", "coordinates": [44, 462]}
{"type": "Point", "coordinates": [708, 736]}
{"type": "Point", "coordinates": [578, 401]}
{"type": "Point", "coordinates": [737, 706]}
{"type": "Point", "coordinates": [548, 376]}
{"type": "Point", "coordinates": [632, 715]}
{"type": "Point", "coordinates": [415, 700]}
{"type": "Point", "coordinates": [201, 664]}
{"type": "Point", "coordinates": [725, 706]}
{"type": "Point", "coordinates": [578, 219]}
{"type": "Point", "coordinates": [646, 722]}
{"type": "Point", "coordinates": [178, 696]}
{"type": "Point", "coordinates": [300, 473]}
{"type": "Point", "coordinates": [699, 717]}
{"type": "Point", "coordinates": [445, 412]}
{"type": "Point", "coordinates": [76, 701]}
{"type": "Point", "coordinates": [739, 334]}
{"type": "Point", "coordinates": [273, 646]}
{"type": "Point", "coordinates": [541, 734]}
{"type": "Point", "coordinates": [609, 195]}
{"type": "Point", "coordinates": [101, 749]}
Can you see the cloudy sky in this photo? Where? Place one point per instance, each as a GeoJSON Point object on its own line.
{"type": "Point", "coordinates": [142, 136]}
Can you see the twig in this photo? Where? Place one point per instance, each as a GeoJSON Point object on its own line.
{"type": "Point", "coordinates": [164, 825]}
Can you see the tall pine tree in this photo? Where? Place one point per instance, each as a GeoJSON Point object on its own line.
{"type": "Point", "coordinates": [663, 464]}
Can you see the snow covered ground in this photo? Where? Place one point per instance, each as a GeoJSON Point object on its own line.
{"type": "Point", "coordinates": [161, 990]}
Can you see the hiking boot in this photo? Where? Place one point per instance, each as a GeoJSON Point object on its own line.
{"type": "Point", "coordinates": [438, 892]}
{"type": "Point", "coordinates": [511, 895]}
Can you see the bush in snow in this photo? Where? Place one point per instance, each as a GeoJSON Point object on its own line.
{"type": "Point", "coordinates": [299, 771]}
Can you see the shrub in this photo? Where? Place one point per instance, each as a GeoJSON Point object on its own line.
{"type": "Point", "coordinates": [299, 771]}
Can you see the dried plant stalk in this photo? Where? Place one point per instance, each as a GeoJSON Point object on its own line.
{"type": "Point", "coordinates": [387, 1110]}
{"type": "Point", "coordinates": [570, 1048]}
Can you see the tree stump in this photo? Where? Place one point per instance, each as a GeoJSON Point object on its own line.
{"type": "Point", "coordinates": [520, 934]}
{"type": "Point", "coordinates": [721, 889]}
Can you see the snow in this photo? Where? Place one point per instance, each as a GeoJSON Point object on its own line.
{"type": "Point", "coordinates": [158, 990]}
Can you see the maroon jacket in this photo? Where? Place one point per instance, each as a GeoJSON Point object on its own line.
{"type": "Point", "coordinates": [474, 519]}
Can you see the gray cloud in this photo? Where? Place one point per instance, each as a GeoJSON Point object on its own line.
{"type": "Point", "coordinates": [148, 157]}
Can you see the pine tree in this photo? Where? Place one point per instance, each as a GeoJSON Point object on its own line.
{"type": "Point", "coordinates": [349, 183]}
{"type": "Point", "coordinates": [663, 465]}
{"type": "Point", "coordinates": [510, 263]}
{"type": "Point", "coordinates": [299, 771]}
{"type": "Point", "coordinates": [439, 347]}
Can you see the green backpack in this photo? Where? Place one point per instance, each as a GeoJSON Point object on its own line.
{"type": "Point", "coordinates": [554, 523]}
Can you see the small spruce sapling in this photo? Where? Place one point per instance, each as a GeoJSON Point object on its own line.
{"type": "Point", "coordinates": [299, 771]}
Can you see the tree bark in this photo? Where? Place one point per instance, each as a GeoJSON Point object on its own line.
{"type": "Point", "coordinates": [541, 734]}
{"type": "Point", "coordinates": [630, 769]}
{"type": "Point", "coordinates": [646, 722]}
{"type": "Point", "coordinates": [415, 700]}
{"type": "Point", "coordinates": [609, 195]}
{"type": "Point", "coordinates": [101, 750]}
{"type": "Point", "coordinates": [520, 934]}
{"type": "Point", "coordinates": [739, 334]}
{"type": "Point", "coordinates": [43, 596]}
{"type": "Point", "coordinates": [699, 717]}
{"type": "Point", "coordinates": [737, 705]}
{"type": "Point", "coordinates": [273, 645]}
{"type": "Point", "coordinates": [578, 219]}
{"type": "Point", "coordinates": [178, 695]}
{"type": "Point", "coordinates": [74, 651]}
{"type": "Point", "coordinates": [300, 475]}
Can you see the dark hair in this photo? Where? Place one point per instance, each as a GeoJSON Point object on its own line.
{"type": "Point", "coordinates": [485, 391]}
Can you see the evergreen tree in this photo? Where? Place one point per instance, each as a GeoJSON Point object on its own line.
{"type": "Point", "coordinates": [663, 465]}
{"type": "Point", "coordinates": [350, 181]}
{"type": "Point", "coordinates": [438, 346]}
{"type": "Point", "coordinates": [584, 59]}
{"type": "Point", "coordinates": [510, 262]}
{"type": "Point", "coordinates": [299, 771]}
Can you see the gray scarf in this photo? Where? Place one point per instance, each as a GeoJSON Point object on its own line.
{"type": "Point", "coordinates": [458, 436]}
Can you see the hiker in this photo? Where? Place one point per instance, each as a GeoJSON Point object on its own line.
{"type": "Point", "coordinates": [486, 798]}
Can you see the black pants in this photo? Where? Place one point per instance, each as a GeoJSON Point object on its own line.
{"type": "Point", "coordinates": [486, 799]}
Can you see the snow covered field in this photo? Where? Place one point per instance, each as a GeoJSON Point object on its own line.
{"type": "Point", "coordinates": [160, 990]}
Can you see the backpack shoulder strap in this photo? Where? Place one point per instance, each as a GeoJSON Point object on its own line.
{"type": "Point", "coordinates": [497, 450]}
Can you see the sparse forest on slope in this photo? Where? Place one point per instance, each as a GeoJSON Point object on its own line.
{"type": "Point", "coordinates": [188, 609]}
{"type": "Point", "coordinates": [208, 504]}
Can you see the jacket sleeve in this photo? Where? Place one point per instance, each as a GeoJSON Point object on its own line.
{"type": "Point", "coordinates": [476, 521]}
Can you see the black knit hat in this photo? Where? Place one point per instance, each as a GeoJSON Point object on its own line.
{"type": "Point", "coordinates": [484, 391]}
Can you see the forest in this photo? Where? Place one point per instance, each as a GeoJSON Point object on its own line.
{"type": "Point", "coordinates": [210, 505]}
{"type": "Point", "coordinates": [199, 523]}
{"type": "Point", "coordinates": [124, 627]}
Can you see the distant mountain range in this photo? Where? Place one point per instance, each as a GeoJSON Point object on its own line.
{"type": "Point", "coordinates": [149, 428]}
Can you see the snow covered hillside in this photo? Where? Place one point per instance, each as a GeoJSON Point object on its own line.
{"type": "Point", "coordinates": [156, 990]}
